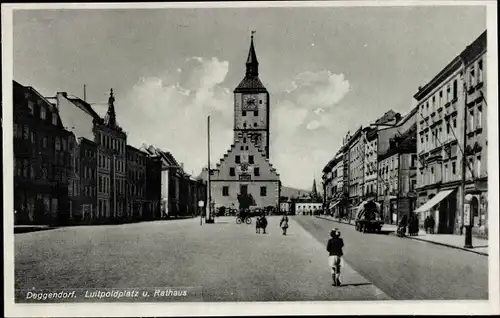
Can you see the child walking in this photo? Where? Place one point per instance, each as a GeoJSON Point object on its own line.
{"type": "Point", "coordinates": [334, 248]}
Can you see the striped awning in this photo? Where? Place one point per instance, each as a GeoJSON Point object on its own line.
{"type": "Point", "coordinates": [435, 200]}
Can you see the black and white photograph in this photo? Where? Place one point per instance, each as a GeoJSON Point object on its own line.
{"type": "Point", "coordinates": [250, 158]}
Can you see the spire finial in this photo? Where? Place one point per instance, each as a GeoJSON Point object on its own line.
{"type": "Point", "coordinates": [252, 64]}
{"type": "Point", "coordinates": [111, 97]}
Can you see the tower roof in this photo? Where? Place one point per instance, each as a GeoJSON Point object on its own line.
{"type": "Point", "coordinates": [252, 63]}
{"type": "Point", "coordinates": [110, 118]}
{"type": "Point", "coordinates": [251, 80]}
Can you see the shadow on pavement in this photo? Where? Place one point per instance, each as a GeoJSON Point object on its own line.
{"type": "Point", "coordinates": [356, 284]}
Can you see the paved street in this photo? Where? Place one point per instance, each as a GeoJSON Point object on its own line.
{"type": "Point", "coordinates": [231, 262]}
{"type": "Point", "coordinates": [408, 269]}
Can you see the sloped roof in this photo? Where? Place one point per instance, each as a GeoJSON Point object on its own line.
{"type": "Point", "coordinates": [76, 115]}
{"type": "Point", "coordinates": [250, 83]}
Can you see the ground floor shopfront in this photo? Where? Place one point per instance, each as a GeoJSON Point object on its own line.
{"type": "Point", "coordinates": [41, 204]}
{"type": "Point", "coordinates": [442, 202]}
{"type": "Point", "coordinates": [476, 194]}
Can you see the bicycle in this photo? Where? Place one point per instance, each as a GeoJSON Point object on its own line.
{"type": "Point", "coordinates": [248, 220]}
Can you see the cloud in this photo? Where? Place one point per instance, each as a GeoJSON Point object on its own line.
{"type": "Point", "coordinates": [305, 121]}
{"type": "Point", "coordinates": [171, 112]}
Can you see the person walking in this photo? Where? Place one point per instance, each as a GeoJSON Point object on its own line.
{"type": "Point", "coordinates": [284, 223]}
{"type": "Point", "coordinates": [426, 224]}
{"type": "Point", "coordinates": [334, 248]}
{"type": "Point", "coordinates": [432, 223]}
{"type": "Point", "coordinates": [402, 226]}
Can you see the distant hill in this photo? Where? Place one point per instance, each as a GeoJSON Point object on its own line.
{"type": "Point", "coordinates": [292, 192]}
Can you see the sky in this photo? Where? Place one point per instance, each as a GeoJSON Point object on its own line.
{"type": "Point", "coordinates": [328, 70]}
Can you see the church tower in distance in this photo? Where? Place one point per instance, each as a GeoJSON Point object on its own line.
{"type": "Point", "coordinates": [245, 170]}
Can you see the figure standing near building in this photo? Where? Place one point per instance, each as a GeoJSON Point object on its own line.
{"type": "Point", "coordinates": [284, 223]}
{"type": "Point", "coordinates": [432, 223]}
{"type": "Point", "coordinates": [334, 248]}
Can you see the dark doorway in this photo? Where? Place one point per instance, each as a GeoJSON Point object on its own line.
{"type": "Point", "coordinates": [243, 189]}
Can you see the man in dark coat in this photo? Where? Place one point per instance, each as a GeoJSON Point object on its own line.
{"type": "Point", "coordinates": [334, 248]}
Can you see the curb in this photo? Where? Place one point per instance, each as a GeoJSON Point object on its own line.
{"type": "Point", "coordinates": [324, 218]}
{"type": "Point", "coordinates": [419, 239]}
{"type": "Point", "coordinates": [443, 244]}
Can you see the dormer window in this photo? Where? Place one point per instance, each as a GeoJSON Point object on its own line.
{"type": "Point", "coordinates": [31, 107]}
{"type": "Point", "coordinates": [43, 113]}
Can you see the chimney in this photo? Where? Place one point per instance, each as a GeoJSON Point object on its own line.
{"type": "Point", "coordinates": [398, 117]}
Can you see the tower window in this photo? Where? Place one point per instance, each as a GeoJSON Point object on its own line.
{"type": "Point", "coordinates": [263, 191]}
{"type": "Point", "coordinates": [237, 159]}
{"type": "Point", "coordinates": [231, 172]}
{"type": "Point", "coordinates": [260, 101]}
{"type": "Point", "coordinates": [256, 113]}
{"type": "Point", "coordinates": [244, 140]}
{"type": "Point", "coordinates": [244, 113]}
{"type": "Point", "coordinates": [256, 171]}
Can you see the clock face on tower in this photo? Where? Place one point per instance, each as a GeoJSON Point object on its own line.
{"type": "Point", "coordinates": [250, 102]}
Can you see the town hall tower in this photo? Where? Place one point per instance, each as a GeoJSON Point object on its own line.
{"type": "Point", "coordinates": [245, 168]}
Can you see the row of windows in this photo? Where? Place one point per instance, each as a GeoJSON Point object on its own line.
{"type": "Point", "coordinates": [256, 171]}
{"type": "Point", "coordinates": [255, 112]}
{"type": "Point", "coordinates": [103, 185]}
{"type": "Point", "coordinates": [109, 142]}
{"type": "Point", "coordinates": [27, 133]}
{"type": "Point", "coordinates": [105, 163]}
{"type": "Point", "coordinates": [134, 157]}
{"type": "Point", "coordinates": [26, 169]}
{"type": "Point", "coordinates": [89, 173]}
{"type": "Point", "coordinates": [263, 191]}
{"type": "Point", "coordinates": [245, 125]}
{"type": "Point", "coordinates": [103, 207]}
{"type": "Point", "coordinates": [136, 190]}
{"type": "Point", "coordinates": [237, 159]}
{"type": "Point", "coordinates": [42, 112]}
{"type": "Point", "coordinates": [450, 92]}
{"type": "Point", "coordinates": [475, 118]}
{"type": "Point", "coordinates": [306, 206]}
{"type": "Point", "coordinates": [436, 137]}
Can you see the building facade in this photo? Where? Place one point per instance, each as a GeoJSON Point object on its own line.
{"type": "Point", "coordinates": [42, 159]}
{"type": "Point", "coordinates": [476, 147]}
{"type": "Point", "coordinates": [397, 177]}
{"type": "Point", "coordinates": [109, 158]}
{"type": "Point", "coordinates": [370, 163]}
{"type": "Point", "coordinates": [356, 150]}
{"type": "Point", "coordinates": [136, 183]}
{"type": "Point", "coordinates": [390, 157]}
{"type": "Point", "coordinates": [245, 170]}
{"type": "Point", "coordinates": [307, 207]}
{"type": "Point", "coordinates": [444, 138]}
{"type": "Point", "coordinates": [153, 186]}
{"type": "Point", "coordinates": [84, 192]}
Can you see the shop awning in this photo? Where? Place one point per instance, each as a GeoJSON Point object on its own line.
{"type": "Point", "coordinates": [335, 204]}
{"type": "Point", "coordinates": [435, 200]}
